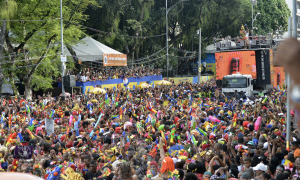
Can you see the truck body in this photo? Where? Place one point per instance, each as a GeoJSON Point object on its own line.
{"type": "Point", "coordinates": [243, 82]}
{"type": "Point", "coordinates": [238, 82]}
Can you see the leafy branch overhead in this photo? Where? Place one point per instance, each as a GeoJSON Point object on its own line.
{"type": "Point", "coordinates": [217, 18]}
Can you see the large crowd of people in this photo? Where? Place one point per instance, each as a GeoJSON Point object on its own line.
{"type": "Point", "coordinates": [96, 74]}
{"type": "Point", "coordinates": [178, 132]}
{"type": "Point", "coordinates": [182, 131]}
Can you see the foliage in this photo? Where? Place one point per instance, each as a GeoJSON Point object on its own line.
{"type": "Point", "coordinates": [37, 43]}
{"type": "Point", "coordinates": [217, 18]}
{"type": "Point", "coordinates": [273, 16]}
{"type": "Point", "coordinates": [7, 9]}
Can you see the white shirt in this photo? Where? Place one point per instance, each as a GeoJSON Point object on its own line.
{"type": "Point", "coordinates": [83, 78]}
{"type": "Point", "coordinates": [204, 64]}
{"type": "Point", "coordinates": [45, 101]}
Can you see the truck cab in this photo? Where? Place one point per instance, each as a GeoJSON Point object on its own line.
{"type": "Point", "coordinates": [238, 82]}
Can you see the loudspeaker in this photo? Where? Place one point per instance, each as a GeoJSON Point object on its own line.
{"type": "Point", "coordinates": [70, 81]}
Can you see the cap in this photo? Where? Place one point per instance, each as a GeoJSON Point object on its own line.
{"type": "Point", "coordinates": [240, 135]}
{"type": "Point", "coordinates": [260, 167]}
{"type": "Point", "coordinates": [250, 143]}
{"type": "Point", "coordinates": [255, 141]}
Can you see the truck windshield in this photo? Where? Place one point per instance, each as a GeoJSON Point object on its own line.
{"type": "Point", "coordinates": [234, 82]}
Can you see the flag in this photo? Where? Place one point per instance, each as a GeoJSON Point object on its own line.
{"type": "Point", "coordinates": [113, 98]}
{"type": "Point", "coordinates": [190, 99]}
{"type": "Point", "coordinates": [27, 108]}
{"type": "Point", "coordinates": [2, 117]}
{"type": "Point", "coordinates": [23, 152]}
{"type": "Point", "coordinates": [52, 113]}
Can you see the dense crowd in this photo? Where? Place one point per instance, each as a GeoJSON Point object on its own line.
{"type": "Point", "coordinates": [184, 131]}
{"type": "Point", "coordinates": [93, 74]}
{"type": "Point", "coordinates": [181, 131]}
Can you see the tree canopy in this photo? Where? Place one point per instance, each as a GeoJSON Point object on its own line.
{"type": "Point", "coordinates": [33, 43]}
{"type": "Point", "coordinates": [217, 18]}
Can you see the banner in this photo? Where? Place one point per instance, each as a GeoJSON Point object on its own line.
{"type": "Point", "coordinates": [23, 152]}
{"type": "Point", "coordinates": [114, 60]}
{"type": "Point", "coordinates": [263, 67]}
{"type": "Point", "coordinates": [271, 67]}
{"type": "Point", "coordinates": [228, 63]}
{"type": "Point", "coordinates": [49, 123]}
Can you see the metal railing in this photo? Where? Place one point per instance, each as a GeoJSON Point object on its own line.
{"type": "Point", "coordinates": [252, 42]}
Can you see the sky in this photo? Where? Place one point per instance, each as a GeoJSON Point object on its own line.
{"type": "Point", "coordinates": [290, 4]}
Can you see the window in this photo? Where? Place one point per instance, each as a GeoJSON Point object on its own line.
{"type": "Point", "coordinates": [234, 83]}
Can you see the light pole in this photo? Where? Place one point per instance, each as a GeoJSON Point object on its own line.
{"type": "Point", "coordinates": [199, 58]}
{"type": "Point", "coordinates": [63, 57]}
{"type": "Point", "coordinates": [253, 2]}
{"type": "Point", "coordinates": [167, 44]}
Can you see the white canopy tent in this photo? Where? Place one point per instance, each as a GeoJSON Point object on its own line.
{"type": "Point", "coordinates": [88, 49]}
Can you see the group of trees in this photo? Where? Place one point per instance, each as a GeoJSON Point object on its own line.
{"type": "Point", "coordinates": [31, 49]}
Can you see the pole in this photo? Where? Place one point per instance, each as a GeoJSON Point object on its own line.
{"type": "Point", "coordinates": [199, 57]}
{"type": "Point", "coordinates": [252, 15]}
{"type": "Point", "coordinates": [62, 52]}
{"type": "Point", "coordinates": [167, 39]}
{"type": "Point", "coordinates": [294, 19]}
{"type": "Point", "coordinates": [192, 43]}
{"type": "Point", "coordinates": [288, 113]}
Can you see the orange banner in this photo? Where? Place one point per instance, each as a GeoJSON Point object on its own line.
{"type": "Point", "coordinates": [114, 60]}
{"type": "Point", "coordinates": [272, 68]}
{"type": "Point", "coordinates": [232, 62]}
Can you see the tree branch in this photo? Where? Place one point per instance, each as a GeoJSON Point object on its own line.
{"type": "Point", "coordinates": [30, 34]}
{"type": "Point", "coordinates": [8, 43]}
{"type": "Point", "coordinates": [41, 58]}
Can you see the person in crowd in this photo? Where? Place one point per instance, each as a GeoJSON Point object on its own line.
{"type": "Point", "coordinates": [180, 131]}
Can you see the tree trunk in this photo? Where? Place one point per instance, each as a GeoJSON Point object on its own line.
{"type": "Point", "coordinates": [2, 38]}
{"type": "Point", "coordinates": [28, 91]}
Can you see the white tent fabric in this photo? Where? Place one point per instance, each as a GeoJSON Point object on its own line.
{"type": "Point", "coordinates": [88, 49]}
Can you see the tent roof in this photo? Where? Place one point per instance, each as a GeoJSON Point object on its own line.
{"type": "Point", "coordinates": [88, 49]}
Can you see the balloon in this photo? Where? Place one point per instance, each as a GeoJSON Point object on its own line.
{"type": "Point", "coordinates": [257, 123]}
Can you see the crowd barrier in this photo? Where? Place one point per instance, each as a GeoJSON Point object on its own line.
{"type": "Point", "coordinates": [177, 80]}
{"type": "Point", "coordinates": [111, 83]}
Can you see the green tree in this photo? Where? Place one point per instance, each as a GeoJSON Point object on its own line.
{"type": "Point", "coordinates": [35, 45]}
{"type": "Point", "coordinates": [273, 16]}
{"type": "Point", "coordinates": [7, 10]}
{"type": "Point", "coordinates": [217, 18]}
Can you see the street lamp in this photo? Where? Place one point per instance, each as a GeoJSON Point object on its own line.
{"type": "Point", "coordinates": [167, 11]}
{"type": "Point", "coordinates": [256, 16]}
{"type": "Point", "coordinates": [253, 22]}
{"type": "Point", "coordinates": [253, 2]}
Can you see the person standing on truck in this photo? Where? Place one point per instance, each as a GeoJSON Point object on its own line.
{"type": "Point", "coordinates": [242, 95]}
{"type": "Point", "coordinates": [204, 66]}
{"type": "Point", "coordinates": [261, 94]}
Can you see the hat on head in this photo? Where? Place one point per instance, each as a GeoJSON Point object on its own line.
{"type": "Point", "coordinates": [260, 167]}
{"type": "Point", "coordinates": [255, 141]}
{"type": "Point", "coordinates": [240, 135]}
{"type": "Point", "coordinates": [250, 143]}
{"type": "Point", "coordinates": [118, 129]}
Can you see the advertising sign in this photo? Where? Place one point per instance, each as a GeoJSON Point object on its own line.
{"type": "Point", "coordinates": [114, 60]}
{"type": "Point", "coordinates": [233, 62]}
